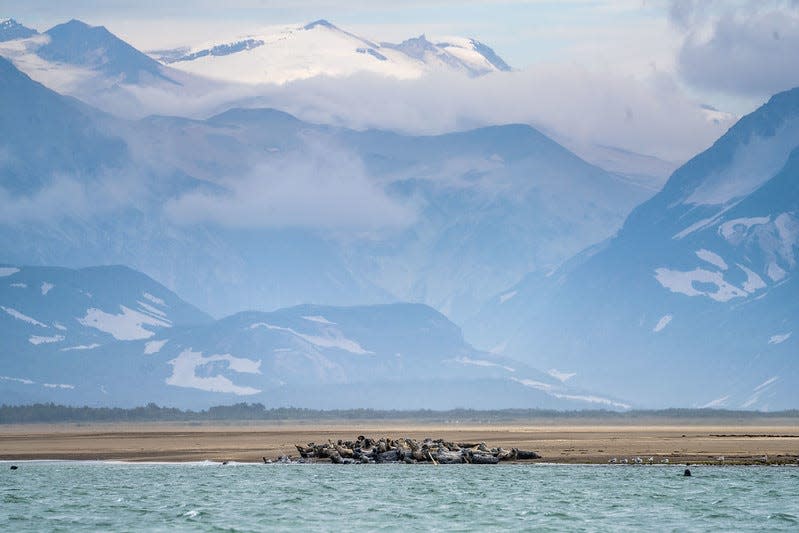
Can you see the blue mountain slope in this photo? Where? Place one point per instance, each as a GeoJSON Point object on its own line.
{"type": "Point", "coordinates": [477, 210]}
{"type": "Point", "coordinates": [10, 29]}
{"type": "Point", "coordinates": [44, 135]}
{"type": "Point", "coordinates": [695, 301]}
{"type": "Point", "coordinates": [77, 43]}
{"type": "Point", "coordinates": [112, 336]}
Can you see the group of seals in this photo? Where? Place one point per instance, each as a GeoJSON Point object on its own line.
{"type": "Point", "coordinates": [387, 450]}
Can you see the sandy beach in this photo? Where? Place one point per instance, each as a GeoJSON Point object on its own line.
{"type": "Point", "coordinates": [557, 441]}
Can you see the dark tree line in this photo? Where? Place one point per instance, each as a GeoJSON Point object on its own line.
{"type": "Point", "coordinates": [50, 412]}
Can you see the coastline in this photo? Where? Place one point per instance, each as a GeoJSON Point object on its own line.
{"type": "Point", "coordinates": [558, 441]}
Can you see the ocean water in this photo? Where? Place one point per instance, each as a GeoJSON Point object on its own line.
{"type": "Point", "coordinates": [68, 496]}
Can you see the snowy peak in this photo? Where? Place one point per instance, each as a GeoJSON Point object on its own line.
{"type": "Point", "coordinates": [79, 44]}
{"type": "Point", "coordinates": [282, 54]}
{"type": "Point", "coordinates": [10, 30]}
{"type": "Point", "coordinates": [317, 23]}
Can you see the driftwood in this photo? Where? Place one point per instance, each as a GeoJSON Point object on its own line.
{"type": "Point", "coordinates": [387, 450]}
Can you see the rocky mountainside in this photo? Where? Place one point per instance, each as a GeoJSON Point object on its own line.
{"type": "Point", "coordinates": [695, 301]}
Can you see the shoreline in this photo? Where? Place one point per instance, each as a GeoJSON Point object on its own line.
{"type": "Point", "coordinates": [562, 442]}
{"type": "Point", "coordinates": [325, 463]}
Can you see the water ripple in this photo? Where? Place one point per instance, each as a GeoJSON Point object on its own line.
{"type": "Point", "coordinates": [173, 497]}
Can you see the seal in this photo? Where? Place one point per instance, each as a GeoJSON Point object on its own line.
{"type": "Point", "coordinates": [14, 467]}
{"type": "Point", "coordinates": [687, 472]}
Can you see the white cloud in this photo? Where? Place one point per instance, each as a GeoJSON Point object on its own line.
{"type": "Point", "coordinates": [320, 188]}
{"type": "Point", "coordinates": [740, 48]}
{"type": "Point", "coordinates": [652, 115]}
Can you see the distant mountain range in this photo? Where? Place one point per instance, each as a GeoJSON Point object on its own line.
{"type": "Point", "coordinates": [94, 65]}
{"type": "Point", "coordinates": [110, 335]}
{"type": "Point", "coordinates": [289, 53]}
{"type": "Point", "coordinates": [254, 215]}
{"type": "Point", "coordinates": [695, 302]}
{"type": "Point", "coordinates": [458, 217]}
{"type": "Point", "coordinates": [278, 55]}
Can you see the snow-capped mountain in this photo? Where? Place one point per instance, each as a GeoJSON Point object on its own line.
{"type": "Point", "coordinates": [10, 30]}
{"type": "Point", "coordinates": [695, 301]}
{"type": "Point", "coordinates": [91, 63]}
{"type": "Point", "coordinates": [289, 53]}
{"type": "Point", "coordinates": [112, 336]}
{"type": "Point", "coordinates": [94, 65]}
{"type": "Point", "coordinates": [460, 216]}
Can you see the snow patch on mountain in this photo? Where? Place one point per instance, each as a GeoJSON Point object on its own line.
{"type": "Point", "coordinates": [662, 323]}
{"type": "Point", "coordinates": [734, 230]}
{"type": "Point", "coordinates": [332, 339]}
{"type": "Point", "coordinates": [81, 347]}
{"type": "Point", "coordinates": [563, 377]}
{"type": "Point", "coordinates": [58, 386]}
{"type": "Point", "coordinates": [775, 272]}
{"type": "Point", "coordinates": [46, 287]}
{"type": "Point", "coordinates": [154, 299]}
{"type": "Point", "coordinates": [186, 364]}
{"type": "Point", "coordinates": [758, 392]}
{"type": "Point", "coordinates": [779, 339]}
{"type": "Point", "coordinates": [715, 404]}
{"type": "Point", "coordinates": [7, 271]}
{"type": "Point", "coordinates": [24, 381]}
{"type": "Point", "coordinates": [766, 383]}
{"type": "Point", "coordinates": [482, 362]}
{"type": "Point", "coordinates": [763, 157]}
{"type": "Point", "coordinates": [36, 339]}
{"type": "Point", "coordinates": [125, 326]}
{"type": "Point", "coordinates": [696, 226]}
{"type": "Point", "coordinates": [753, 281]}
{"type": "Point", "coordinates": [153, 347]}
{"type": "Point", "coordinates": [21, 316]}
{"type": "Point", "coordinates": [534, 384]}
{"type": "Point", "coordinates": [20, 285]}
{"type": "Point", "coordinates": [712, 258]}
{"type": "Point", "coordinates": [592, 399]}
{"type": "Point", "coordinates": [684, 283]}
{"type": "Point", "coordinates": [507, 296]}
{"type": "Point", "coordinates": [319, 320]}
{"type": "Point", "coordinates": [550, 389]}
{"type": "Point", "coordinates": [152, 310]}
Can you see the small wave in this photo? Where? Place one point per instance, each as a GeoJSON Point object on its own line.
{"type": "Point", "coordinates": [784, 517]}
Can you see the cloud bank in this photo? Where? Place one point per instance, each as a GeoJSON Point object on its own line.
{"type": "Point", "coordinates": [320, 188]}
{"type": "Point", "coordinates": [739, 48]}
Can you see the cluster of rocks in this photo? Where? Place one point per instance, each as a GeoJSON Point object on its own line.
{"type": "Point", "coordinates": [386, 450]}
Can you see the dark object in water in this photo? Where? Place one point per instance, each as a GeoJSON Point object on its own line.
{"type": "Point", "coordinates": [266, 461]}
{"type": "Point", "coordinates": [687, 472]}
{"type": "Point", "coordinates": [224, 462]}
{"type": "Point", "coordinates": [14, 467]}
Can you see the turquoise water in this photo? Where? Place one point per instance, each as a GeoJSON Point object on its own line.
{"type": "Point", "coordinates": [237, 497]}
